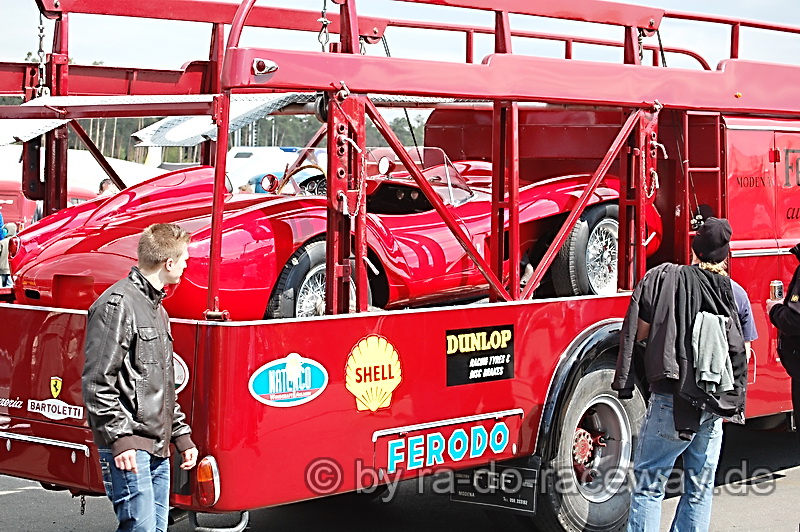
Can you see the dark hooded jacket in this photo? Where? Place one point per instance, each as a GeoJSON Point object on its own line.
{"type": "Point", "coordinates": [668, 298]}
{"type": "Point", "coordinates": [786, 317]}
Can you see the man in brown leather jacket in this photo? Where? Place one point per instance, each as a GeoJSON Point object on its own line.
{"type": "Point", "coordinates": [129, 385]}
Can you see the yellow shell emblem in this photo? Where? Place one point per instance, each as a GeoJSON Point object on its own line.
{"type": "Point", "coordinates": [373, 372]}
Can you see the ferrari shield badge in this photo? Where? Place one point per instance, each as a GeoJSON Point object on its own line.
{"type": "Point", "coordinates": [55, 386]}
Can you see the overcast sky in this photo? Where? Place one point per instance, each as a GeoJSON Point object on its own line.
{"type": "Point", "coordinates": [159, 44]}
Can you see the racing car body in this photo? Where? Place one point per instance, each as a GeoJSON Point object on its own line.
{"type": "Point", "coordinates": [273, 245]}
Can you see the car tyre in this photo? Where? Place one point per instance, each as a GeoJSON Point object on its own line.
{"type": "Point", "coordinates": [568, 500]}
{"type": "Point", "coordinates": [300, 290]}
{"type": "Point", "coordinates": [587, 262]}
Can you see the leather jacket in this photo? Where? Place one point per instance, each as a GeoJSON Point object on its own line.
{"type": "Point", "coordinates": [128, 376]}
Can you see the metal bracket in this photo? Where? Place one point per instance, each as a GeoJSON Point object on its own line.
{"type": "Point", "coordinates": [244, 518]}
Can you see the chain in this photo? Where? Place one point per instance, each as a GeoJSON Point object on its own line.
{"type": "Point", "coordinates": [362, 45]}
{"type": "Point", "coordinates": [324, 36]}
{"type": "Point", "coordinates": [41, 89]}
{"type": "Point", "coordinates": [83, 504]}
{"type": "Point", "coordinates": [641, 48]}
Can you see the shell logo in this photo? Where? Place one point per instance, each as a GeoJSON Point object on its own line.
{"type": "Point", "coordinates": [373, 372]}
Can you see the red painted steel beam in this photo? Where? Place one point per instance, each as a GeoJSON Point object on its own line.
{"type": "Point", "coordinates": [568, 40]}
{"type": "Point", "coordinates": [581, 203]}
{"type": "Point", "coordinates": [315, 140]}
{"type": "Point", "coordinates": [221, 116]}
{"type": "Point", "coordinates": [97, 154]}
{"type": "Point", "coordinates": [505, 194]}
{"type": "Point", "coordinates": [95, 80]}
{"type": "Point", "coordinates": [211, 11]}
{"type": "Point", "coordinates": [583, 10]}
{"type": "Point", "coordinates": [383, 127]}
{"type": "Point", "coordinates": [107, 110]}
{"type": "Point", "coordinates": [737, 87]}
{"type": "Point", "coordinates": [18, 79]}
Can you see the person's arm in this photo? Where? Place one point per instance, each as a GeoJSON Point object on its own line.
{"type": "Point", "coordinates": [181, 437]}
{"type": "Point", "coordinates": [642, 331]}
{"type": "Point", "coordinates": [785, 319]}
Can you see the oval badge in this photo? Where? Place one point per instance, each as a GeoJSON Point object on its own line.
{"type": "Point", "coordinates": [288, 381]}
{"type": "Point", "coordinates": [181, 372]}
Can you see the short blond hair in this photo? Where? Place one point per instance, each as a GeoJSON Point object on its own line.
{"type": "Point", "coordinates": [160, 242]}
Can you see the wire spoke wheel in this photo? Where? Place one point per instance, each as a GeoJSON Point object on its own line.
{"type": "Point", "coordinates": [311, 295]}
{"type": "Point", "coordinates": [587, 262]}
{"type": "Point", "coordinates": [601, 256]}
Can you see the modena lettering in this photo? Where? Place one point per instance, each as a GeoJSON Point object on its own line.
{"type": "Point", "coordinates": [753, 181]}
{"type": "Point", "coordinates": [480, 341]}
{"type": "Point", "coordinates": [432, 449]}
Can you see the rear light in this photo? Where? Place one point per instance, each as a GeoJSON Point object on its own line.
{"type": "Point", "coordinates": [13, 247]}
{"type": "Point", "coordinates": [207, 475]}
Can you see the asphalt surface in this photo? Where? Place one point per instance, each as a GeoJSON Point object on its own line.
{"type": "Point", "coordinates": [764, 498]}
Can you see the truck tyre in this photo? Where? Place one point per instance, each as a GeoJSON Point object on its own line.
{"type": "Point", "coordinates": [300, 290]}
{"type": "Point", "coordinates": [587, 486]}
{"type": "Point", "coordinates": [587, 262]}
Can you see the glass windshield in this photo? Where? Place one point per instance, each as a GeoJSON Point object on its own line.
{"type": "Point", "coordinates": [434, 164]}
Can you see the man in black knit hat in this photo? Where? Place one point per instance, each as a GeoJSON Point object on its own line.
{"type": "Point", "coordinates": [673, 310]}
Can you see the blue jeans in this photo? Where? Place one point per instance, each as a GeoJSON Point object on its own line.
{"type": "Point", "coordinates": [658, 448]}
{"type": "Point", "coordinates": [141, 500]}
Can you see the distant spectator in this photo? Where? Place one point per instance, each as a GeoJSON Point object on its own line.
{"type": "Point", "coordinates": [248, 188]}
{"type": "Point", "coordinates": [107, 188]}
{"type": "Point", "coordinates": [8, 230]}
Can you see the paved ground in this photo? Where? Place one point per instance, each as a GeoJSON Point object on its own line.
{"type": "Point", "coordinates": [766, 498]}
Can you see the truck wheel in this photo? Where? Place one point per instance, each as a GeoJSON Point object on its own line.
{"type": "Point", "coordinates": [587, 485]}
{"type": "Point", "coordinates": [587, 262]}
{"type": "Point", "coordinates": [300, 290]}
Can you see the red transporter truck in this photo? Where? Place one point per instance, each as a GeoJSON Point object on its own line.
{"type": "Point", "coordinates": [512, 395]}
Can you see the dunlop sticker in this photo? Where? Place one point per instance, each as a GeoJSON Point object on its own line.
{"type": "Point", "coordinates": [482, 354]}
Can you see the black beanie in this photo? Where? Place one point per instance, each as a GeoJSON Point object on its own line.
{"type": "Point", "coordinates": [712, 241]}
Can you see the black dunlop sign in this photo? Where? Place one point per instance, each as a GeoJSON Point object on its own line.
{"type": "Point", "coordinates": [481, 354]}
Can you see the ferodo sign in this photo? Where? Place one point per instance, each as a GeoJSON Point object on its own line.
{"type": "Point", "coordinates": [437, 448]}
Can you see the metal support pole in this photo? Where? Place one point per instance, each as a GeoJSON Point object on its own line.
{"type": "Point", "coordinates": [346, 204]}
{"type": "Point", "coordinates": [505, 195]}
{"type": "Point", "coordinates": [221, 116]}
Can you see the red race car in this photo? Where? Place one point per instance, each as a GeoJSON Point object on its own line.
{"type": "Point", "coordinates": [273, 246]}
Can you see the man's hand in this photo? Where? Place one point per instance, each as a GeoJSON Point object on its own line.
{"type": "Point", "coordinates": [189, 457]}
{"type": "Point", "coordinates": [126, 461]}
{"type": "Point", "coordinates": [771, 303]}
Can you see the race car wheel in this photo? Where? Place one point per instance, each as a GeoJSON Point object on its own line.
{"type": "Point", "coordinates": [587, 262]}
{"type": "Point", "coordinates": [300, 290]}
{"type": "Point", "coordinates": [587, 486]}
